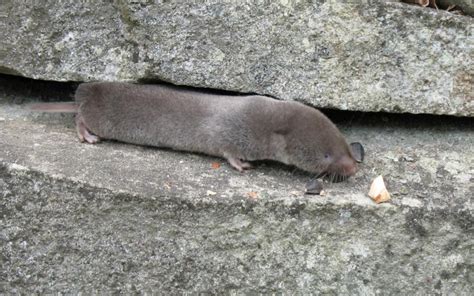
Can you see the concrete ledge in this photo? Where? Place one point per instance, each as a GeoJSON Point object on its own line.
{"type": "Point", "coordinates": [119, 218]}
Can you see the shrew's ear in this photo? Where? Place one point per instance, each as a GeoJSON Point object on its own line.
{"type": "Point", "coordinates": [357, 151]}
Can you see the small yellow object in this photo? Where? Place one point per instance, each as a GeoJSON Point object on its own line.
{"type": "Point", "coordinates": [378, 192]}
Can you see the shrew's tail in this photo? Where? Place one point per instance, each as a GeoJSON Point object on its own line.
{"type": "Point", "coordinates": [60, 107]}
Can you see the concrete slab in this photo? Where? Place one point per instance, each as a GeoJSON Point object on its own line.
{"type": "Point", "coordinates": [350, 55]}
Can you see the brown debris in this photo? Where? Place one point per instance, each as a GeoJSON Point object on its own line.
{"type": "Point", "coordinates": [252, 194]}
{"type": "Point", "coordinates": [423, 3]}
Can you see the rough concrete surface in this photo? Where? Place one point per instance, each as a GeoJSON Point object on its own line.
{"type": "Point", "coordinates": [467, 6]}
{"type": "Point", "coordinates": [351, 55]}
{"type": "Point", "coordinates": [117, 218]}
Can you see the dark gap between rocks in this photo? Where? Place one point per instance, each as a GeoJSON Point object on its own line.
{"type": "Point", "coordinates": [21, 89]}
{"type": "Point", "coordinates": [399, 120]}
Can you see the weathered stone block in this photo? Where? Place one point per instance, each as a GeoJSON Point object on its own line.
{"type": "Point", "coordinates": [357, 55]}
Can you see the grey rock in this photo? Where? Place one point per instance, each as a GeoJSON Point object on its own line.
{"type": "Point", "coordinates": [117, 218]}
{"type": "Point", "coordinates": [467, 6]}
{"type": "Point", "coordinates": [357, 55]}
{"type": "Point", "coordinates": [454, 6]}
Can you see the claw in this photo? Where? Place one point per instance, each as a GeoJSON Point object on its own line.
{"type": "Point", "coordinates": [239, 164]}
{"type": "Point", "coordinates": [83, 133]}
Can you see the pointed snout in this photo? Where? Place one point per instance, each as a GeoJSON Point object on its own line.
{"type": "Point", "coordinates": [348, 166]}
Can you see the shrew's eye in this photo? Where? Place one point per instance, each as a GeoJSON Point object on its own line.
{"type": "Point", "coordinates": [326, 155]}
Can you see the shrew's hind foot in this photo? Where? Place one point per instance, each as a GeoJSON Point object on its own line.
{"type": "Point", "coordinates": [83, 133]}
{"type": "Point", "coordinates": [239, 164]}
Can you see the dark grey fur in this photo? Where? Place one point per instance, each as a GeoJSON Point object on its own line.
{"type": "Point", "coordinates": [238, 128]}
